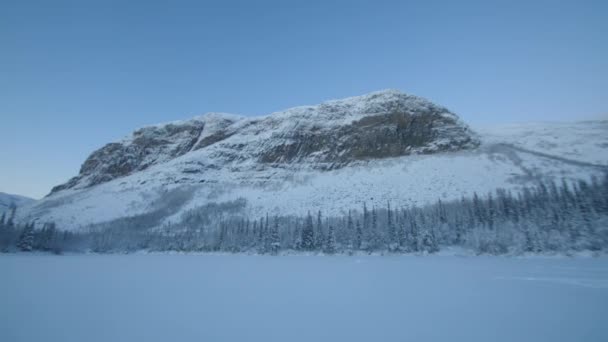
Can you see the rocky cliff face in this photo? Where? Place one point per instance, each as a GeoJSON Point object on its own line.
{"type": "Point", "coordinates": [327, 136]}
{"type": "Point", "coordinates": [148, 146]}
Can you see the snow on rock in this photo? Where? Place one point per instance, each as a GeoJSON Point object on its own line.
{"type": "Point", "coordinates": [147, 146]}
{"type": "Point", "coordinates": [384, 146]}
{"type": "Point", "coordinates": [332, 134]}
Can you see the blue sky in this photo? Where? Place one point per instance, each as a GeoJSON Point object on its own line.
{"type": "Point", "coordinates": [75, 75]}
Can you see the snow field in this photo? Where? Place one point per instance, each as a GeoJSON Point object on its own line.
{"type": "Point", "coordinates": [174, 297]}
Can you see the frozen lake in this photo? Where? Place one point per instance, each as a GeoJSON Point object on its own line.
{"type": "Point", "coordinates": [299, 298]}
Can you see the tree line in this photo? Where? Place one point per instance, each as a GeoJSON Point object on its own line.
{"type": "Point", "coordinates": [547, 217]}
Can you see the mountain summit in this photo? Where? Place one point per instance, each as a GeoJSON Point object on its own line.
{"type": "Point", "coordinates": [332, 157]}
{"type": "Point", "coordinates": [327, 136]}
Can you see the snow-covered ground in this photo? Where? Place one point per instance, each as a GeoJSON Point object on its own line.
{"type": "Point", "coordinates": [518, 155]}
{"type": "Point", "coordinates": [583, 141]}
{"type": "Point", "coordinates": [297, 298]}
{"type": "Point", "coordinates": [8, 200]}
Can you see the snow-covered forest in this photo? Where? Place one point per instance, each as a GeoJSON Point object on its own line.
{"type": "Point", "coordinates": [547, 218]}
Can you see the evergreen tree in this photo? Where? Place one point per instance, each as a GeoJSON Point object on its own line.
{"type": "Point", "coordinates": [358, 236]}
{"type": "Point", "coordinates": [261, 235]}
{"type": "Point", "coordinates": [330, 242]}
{"type": "Point", "coordinates": [391, 241]}
{"type": "Point", "coordinates": [275, 243]}
{"type": "Point", "coordinates": [319, 235]}
{"type": "Point", "coordinates": [428, 241]}
{"type": "Point", "coordinates": [374, 219]}
{"type": "Point", "coordinates": [221, 239]}
{"type": "Point", "coordinates": [44, 239]}
{"type": "Point", "coordinates": [308, 235]}
{"type": "Point", "coordinates": [26, 239]}
{"type": "Point", "coordinates": [5, 235]}
{"type": "Point", "coordinates": [267, 236]}
{"type": "Point", "coordinates": [491, 211]}
{"type": "Point", "coordinates": [365, 218]}
{"type": "Point", "coordinates": [478, 209]}
{"type": "Point", "coordinates": [10, 222]}
{"type": "Point", "coordinates": [414, 245]}
{"type": "Point", "coordinates": [375, 241]}
{"type": "Point", "coordinates": [350, 233]}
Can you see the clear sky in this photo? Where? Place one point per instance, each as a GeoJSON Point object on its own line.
{"type": "Point", "coordinates": [75, 75]}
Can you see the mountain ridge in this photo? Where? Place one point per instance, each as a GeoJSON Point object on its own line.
{"type": "Point", "coordinates": [377, 125]}
{"type": "Point", "coordinates": [252, 163]}
{"type": "Point", "coordinates": [9, 200]}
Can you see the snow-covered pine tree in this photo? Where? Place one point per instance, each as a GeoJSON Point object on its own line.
{"type": "Point", "coordinates": [491, 211]}
{"type": "Point", "coordinates": [267, 233]}
{"type": "Point", "coordinates": [5, 235]}
{"type": "Point", "coordinates": [221, 242]}
{"type": "Point", "coordinates": [603, 189]}
{"type": "Point", "coordinates": [44, 238]}
{"type": "Point", "coordinates": [358, 236]}
{"type": "Point", "coordinates": [428, 241]}
{"type": "Point", "coordinates": [330, 242]}
{"type": "Point", "coordinates": [374, 241]}
{"type": "Point", "coordinates": [365, 217]}
{"type": "Point", "coordinates": [308, 235]}
{"type": "Point", "coordinates": [26, 239]}
{"type": "Point", "coordinates": [402, 230]}
{"type": "Point", "coordinates": [414, 235]}
{"type": "Point", "coordinates": [391, 238]}
{"type": "Point", "coordinates": [261, 235]}
{"type": "Point", "coordinates": [478, 211]}
{"type": "Point", "coordinates": [350, 231]}
{"type": "Point", "coordinates": [274, 240]}
{"type": "Point", "coordinates": [319, 234]}
{"type": "Point", "coordinates": [10, 221]}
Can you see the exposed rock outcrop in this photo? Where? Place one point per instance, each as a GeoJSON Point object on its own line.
{"type": "Point", "coordinates": [330, 135]}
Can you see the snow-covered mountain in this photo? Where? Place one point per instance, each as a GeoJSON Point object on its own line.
{"type": "Point", "coordinates": [328, 136]}
{"type": "Point", "coordinates": [8, 200]}
{"type": "Point", "coordinates": [384, 146]}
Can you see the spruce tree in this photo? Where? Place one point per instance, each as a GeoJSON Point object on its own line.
{"type": "Point", "coordinates": [330, 242]}
{"type": "Point", "coordinates": [10, 221]}
{"type": "Point", "coordinates": [5, 235]}
{"type": "Point", "coordinates": [308, 235]}
{"type": "Point", "coordinates": [358, 236]}
{"type": "Point", "coordinates": [261, 234]}
{"type": "Point", "coordinates": [414, 245]}
{"type": "Point", "coordinates": [350, 230]}
{"type": "Point", "coordinates": [391, 239]}
{"type": "Point", "coordinates": [319, 234]}
{"type": "Point", "coordinates": [26, 239]}
{"type": "Point", "coordinates": [365, 218]}
{"type": "Point", "coordinates": [274, 240]}
{"type": "Point", "coordinates": [429, 241]}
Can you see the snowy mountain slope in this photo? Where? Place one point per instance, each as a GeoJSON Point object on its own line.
{"type": "Point", "coordinates": [584, 141]}
{"type": "Point", "coordinates": [331, 157]}
{"type": "Point", "coordinates": [327, 136]}
{"type": "Point", "coordinates": [8, 200]}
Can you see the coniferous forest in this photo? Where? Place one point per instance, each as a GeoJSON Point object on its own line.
{"type": "Point", "coordinates": [546, 218]}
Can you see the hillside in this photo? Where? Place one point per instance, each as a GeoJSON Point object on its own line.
{"type": "Point", "coordinates": [384, 146]}
{"type": "Point", "coordinates": [9, 200]}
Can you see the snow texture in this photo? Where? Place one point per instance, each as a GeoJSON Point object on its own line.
{"type": "Point", "coordinates": [218, 298]}
{"type": "Point", "coordinates": [8, 200]}
{"type": "Point", "coordinates": [222, 163]}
